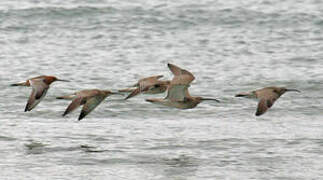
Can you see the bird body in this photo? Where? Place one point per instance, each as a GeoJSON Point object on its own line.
{"type": "Point", "coordinates": [177, 94]}
{"type": "Point", "coordinates": [89, 98]}
{"type": "Point", "coordinates": [266, 96]}
{"type": "Point", "coordinates": [46, 79]}
{"type": "Point", "coordinates": [187, 103]}
{"type": "Point", "coordinates": [40, 86]}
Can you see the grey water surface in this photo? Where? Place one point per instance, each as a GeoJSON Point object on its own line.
{"type": "Point", "coordinates": [230, 46]}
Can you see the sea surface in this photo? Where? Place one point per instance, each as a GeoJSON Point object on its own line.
{"type": "Point", "coordinates": [230, 46]}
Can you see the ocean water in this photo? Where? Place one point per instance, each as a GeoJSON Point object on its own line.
{"type": "Point", "coordinates": [230, 46]}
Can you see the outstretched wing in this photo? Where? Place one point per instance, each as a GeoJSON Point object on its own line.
{"type": "Point", "coordinates": [265, 103]}
{"type": "Point", "coordinates": [39, 90]}
{"type": "Point", "coordinates": [181, 76]}
{"type": "Point", "coordinates": [151, 79]}
{"type": "Point", "coordinates": [177, 92]}
{"type": "Point", "coordinates": [178, 88]}
{"type": "Point", "coordinates": [144, 85]}
{"type": "Point", "coordinates": [134, 93]}
{"type": "Point", "coordinates": [91, 104]}
{"type": "Point", "coordinates": [77, 102]}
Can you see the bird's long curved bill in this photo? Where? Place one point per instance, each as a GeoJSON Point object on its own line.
{"type": "Point", "coordinates": [210, 99]}
{"type": "Point", "coordinates": [293, 90]}
{"type": "Point", "coordinates": [63, 80]}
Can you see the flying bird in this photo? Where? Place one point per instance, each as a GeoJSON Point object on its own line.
{"type": "Point", "coordinates": [177, 94]}
{"type": "Point", "coordinates": [89, 98]}
{"type": "Point", "coordinates": [266, 96]}
{"type": "Point", "coordinates": [40, 85]}
{"type": "Point", "coordinates": [149, 85]}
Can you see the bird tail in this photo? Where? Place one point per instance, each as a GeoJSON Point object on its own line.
{"type": "Point", "coordinates": [68, 97]}
{"type": "Point", "coordinates": [242, 95]}
{"type": "Point", "coordinates": [19, 84]}
{"type": "Point", "coordinates": [155, 101]}
{"type": "Point", "coordinates": [151, 100]}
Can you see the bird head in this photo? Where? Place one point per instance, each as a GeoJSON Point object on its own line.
{"type": "Point", "coordinates": [50, 79]}
{"type": "Point", "coordinates": [282, 90]}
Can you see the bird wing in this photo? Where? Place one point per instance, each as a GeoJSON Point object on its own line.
{"type": "Point", "coordinates": [79, 99]}
{"type": "Point", "coordinates": [177, 92]}
{"type": "Point", "coordinates": [134, 93]}
{"type": "Point", "coordinates": [181, 76]}
{"type": "Point", "coordinates": [91, 104]}
{"type": "Point", "coordinates": [150, 79]}
{"type": "Point", "coordinates": [77, 102]}
{"type": "Point", "coordinates": [144, 85]}
{"type": "Point", "coordinates": [265, 102]}
{"type": "Point", "coordinates": [39, 90]}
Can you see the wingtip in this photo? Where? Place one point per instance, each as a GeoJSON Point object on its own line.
{"type": "Point", "coordinates": [127, 97]}
{"type": "Point", "coordinates": [82, 115]}
{"type": "Point", "coordinates": [133, 93]}
{"type": "Point", "coordinates": [258, 114]}
{"type": "Point", "coordinates": [27, 108]}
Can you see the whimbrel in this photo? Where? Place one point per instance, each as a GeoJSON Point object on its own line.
{"type": "Point", "coordinates": [90, 98]}
{"type": "Point", "coordinates": [149, 85]}
{"type": "Point", "coordinates": [267, 97]}
{"type": "Point", "coordinates": [40, 85]}
{"type": "Point", "coordinates": [177, 94]}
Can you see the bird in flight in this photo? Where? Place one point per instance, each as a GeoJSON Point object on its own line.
{"type": "Point", "coordinates": [89, 98]}
{"type": "Point", "coordinates": [40, 85]}
{"type": "Point", "coordinates": [149, 85]}
{"type": "Point", "coordinates": [266, 96]}
{"type": "Point", "coordinates": [177, 94]}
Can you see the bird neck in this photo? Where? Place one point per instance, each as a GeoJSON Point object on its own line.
{"type": "Point", "coordinates": [49, 80]}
